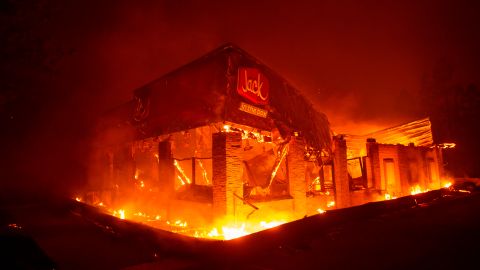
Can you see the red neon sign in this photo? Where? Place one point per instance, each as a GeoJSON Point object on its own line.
{"type": "Point", "coordinates": [253, 85]}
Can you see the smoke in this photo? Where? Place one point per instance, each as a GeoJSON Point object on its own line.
{"type": "Point", "coordinates": [361, 63]}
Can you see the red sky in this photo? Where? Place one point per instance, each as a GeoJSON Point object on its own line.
{"type": "Point", "coordinates": [357, 60]}
{"type": "Point", "coordinates": [360, 62]}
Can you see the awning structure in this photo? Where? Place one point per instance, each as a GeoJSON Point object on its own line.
{"type": "Point", "coordinates": [418, 132]}
{"type": "Point", "coordinates": [205, 91]}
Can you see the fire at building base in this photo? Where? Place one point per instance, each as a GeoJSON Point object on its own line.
{"type": "Point", "coordinates": [224, 146]}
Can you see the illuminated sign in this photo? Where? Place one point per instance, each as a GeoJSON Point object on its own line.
{"type": "Point", "coordinates": [253, 85]}
{"type": "Point", "coordinates": [252, 110]}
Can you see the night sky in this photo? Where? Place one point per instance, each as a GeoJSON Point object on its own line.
{"type": "Point", "coordinates": [366, 64]}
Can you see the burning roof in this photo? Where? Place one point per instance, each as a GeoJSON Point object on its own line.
{"type": "Point", "coordinates": [205, 91]}
{"type": "Point", "coordinates": [418, 132]}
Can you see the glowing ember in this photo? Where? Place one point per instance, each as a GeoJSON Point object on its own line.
{"type": "Point", "coordinates": [321, 211]}
{"type": "Point", "coordinates": [226, 128]}
{"type": "Point", "coordinates": [330, 204]}
{"type": "Point", "coordinates": [78, 199]}
{"type": "Point", "coordinates": [447, 185]}
{"type": "Point", "coordinates": [14, 225]}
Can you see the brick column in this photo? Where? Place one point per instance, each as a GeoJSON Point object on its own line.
{"type": "Point", "coordinates": [296, 176]}
{"type": "Point", "coordinates": [374, 177]}
{"type": "Point", "coordinates": [342, 187]}
{"type": "Point", "coordinates": [227, 173]}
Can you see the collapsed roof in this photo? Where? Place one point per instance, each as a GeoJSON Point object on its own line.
{"type": "Point", "coordinates": [205, 92]}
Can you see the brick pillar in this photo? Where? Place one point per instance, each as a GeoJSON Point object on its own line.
{"type": "Point", "coordinates": [227, 173]}
{"type": "Point", "coordinates": [374, 176]}
{"type": "Point", "coordinates": [404, 160]}
{"type": "Point", "coordinates": [342, 187]}
{"type": "Point", "coordinates": [296, 176]}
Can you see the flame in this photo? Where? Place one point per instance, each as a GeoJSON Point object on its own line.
{"type": "Point", "coordinates": [181, 180]}
{"type": "Point", "coordinates": [78, 199]}
{"type": "Point", "coordinates": [226, 128]}
{"type": "Point", "coordinates": [330, 204]}
{"type": "Point", "coordinates": [271, 224]}
{"type": "Point", "coordinates": [447, 185]}
{"type": "Point", "coordinates": [220, 230]}
{"type": "Point", "coordinates": [321, 211]}
{"type": "Point", "coordinates": [447, 145]}
{"type": "Point", "coordinates": [417, 190]}
{"type": "Point", "coordinates": [120, 213]}
{"type": "Point", "coordinates": [233, 232]}
{"type": "Point", "coordinates": [213, 233]}
{"type": "Point", "coordinates": [389, 197]}
{"type": "Point", "coordinates": [204, 172]}
{"type": "Point", "coordinates": [180, 170]}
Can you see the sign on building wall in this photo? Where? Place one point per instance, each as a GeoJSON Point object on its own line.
{"type": "Point", "coordinates": [253, 85]}
{"type": "Point", "coordinates": [252, 110]}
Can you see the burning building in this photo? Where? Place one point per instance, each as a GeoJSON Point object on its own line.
{"type": "Point", "coordinates": [226, 140]}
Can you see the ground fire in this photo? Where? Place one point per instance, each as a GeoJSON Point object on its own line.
{"type": "Point", "coordinates": [224, 147]}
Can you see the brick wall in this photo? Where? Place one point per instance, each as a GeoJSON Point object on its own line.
{"type": "Point", "coordinates": [227, 173]}
{"type": "Point", "coordinates": [296, 176]}
{"type": "Point", "coordinates": [342, 186]}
